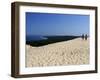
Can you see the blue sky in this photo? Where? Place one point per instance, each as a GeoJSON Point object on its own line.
{"type": "Point", "coordinates": [56, 24]}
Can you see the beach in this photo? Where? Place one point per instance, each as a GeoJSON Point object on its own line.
{"type": "Point", "coordinates": [71, 52]}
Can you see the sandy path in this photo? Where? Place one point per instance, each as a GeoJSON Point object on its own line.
{"type": "Point", "coordinates": [70, 52]}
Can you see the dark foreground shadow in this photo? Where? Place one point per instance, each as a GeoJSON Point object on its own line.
{"type": "Point", "coordinates": [50, 40]}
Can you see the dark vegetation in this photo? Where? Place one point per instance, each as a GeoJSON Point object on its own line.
{"type": "Point", "coordinates": [51, 39]}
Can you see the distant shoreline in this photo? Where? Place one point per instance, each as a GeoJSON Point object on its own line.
{"type": "Point", "coordinates": [49, 40]}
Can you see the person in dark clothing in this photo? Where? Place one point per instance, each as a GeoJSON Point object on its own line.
{"type": "Point", "coordinates": [82, 36]}
{"type": "Point", "coordinates": [86, 37]}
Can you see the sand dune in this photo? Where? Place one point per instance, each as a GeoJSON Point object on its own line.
{"type": "Point", "coordinates": [72, 52]}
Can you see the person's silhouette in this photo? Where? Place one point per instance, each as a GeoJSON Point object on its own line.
{"type": "Point", "coordinates": [82, 36]}
{"type": "Point", "coordinates": [86, 37]}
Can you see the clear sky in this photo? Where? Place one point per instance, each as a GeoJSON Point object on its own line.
{"type": "Point", "coordinates": [56, 24]}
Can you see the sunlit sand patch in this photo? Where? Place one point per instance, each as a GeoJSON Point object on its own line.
{"type": "Point", "coordinates": [72, 52]}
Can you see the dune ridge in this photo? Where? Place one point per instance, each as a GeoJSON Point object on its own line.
{"type": "Point", "coordinates": [72, 52]}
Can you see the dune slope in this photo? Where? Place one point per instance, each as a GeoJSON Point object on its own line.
{"type": "Point", "coordinates": [72, 52]}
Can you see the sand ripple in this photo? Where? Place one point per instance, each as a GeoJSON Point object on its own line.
{"type": "Point", "coordinates": [72, 52]}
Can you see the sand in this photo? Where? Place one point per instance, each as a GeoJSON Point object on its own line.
{"type": "Point", "coordinates": [72, 52]}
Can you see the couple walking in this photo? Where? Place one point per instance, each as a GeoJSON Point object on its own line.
{"type": "Point", "coordinates": [84, 37]}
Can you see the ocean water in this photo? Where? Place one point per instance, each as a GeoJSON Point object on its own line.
{"type": "Point", "coordinates": [44, 40]}
{"type": "Point", "coordinates": [35, 38]}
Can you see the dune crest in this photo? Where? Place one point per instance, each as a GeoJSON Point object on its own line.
{"type": "Point", "coordinates": [72, 52]}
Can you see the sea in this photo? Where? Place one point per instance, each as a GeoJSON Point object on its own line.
{"type": "Point", "coordinates": [35, 38]}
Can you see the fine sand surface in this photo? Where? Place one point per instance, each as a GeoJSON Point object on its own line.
{"type": "Point", "coordinates": [72, 52]}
